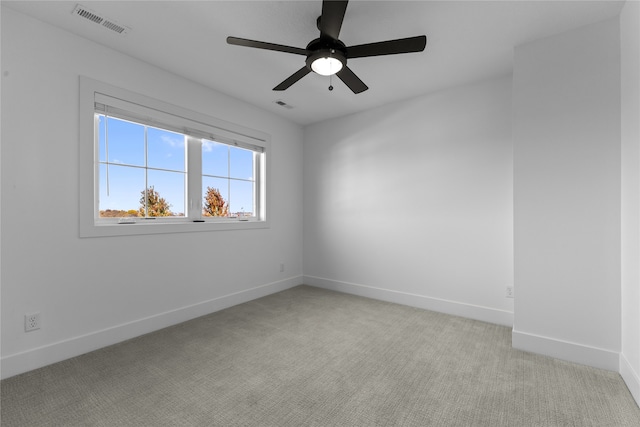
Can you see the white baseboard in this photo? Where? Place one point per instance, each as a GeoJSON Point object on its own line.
{"type": "Point", "coordinates": [569, 351]}
{"type": "Point", "coordinates": [485, 314]}
{"type": "Point", "coordinates": [630, 377]}
{"type": "Point", "coordinates": [42, 356]}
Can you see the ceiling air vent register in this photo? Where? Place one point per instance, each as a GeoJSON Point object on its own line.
{"type": "Point", "coordinates": [283, 104]}
{"type": "Point", "coordinates": [110, 24]}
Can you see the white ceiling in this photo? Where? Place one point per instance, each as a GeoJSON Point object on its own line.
{"type": "Point", "coordinates": [467, 41]}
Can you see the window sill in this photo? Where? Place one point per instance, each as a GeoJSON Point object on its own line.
{"type": "Point", "coordinates": [108, 229]}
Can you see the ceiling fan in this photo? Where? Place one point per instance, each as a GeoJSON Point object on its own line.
{"type": "Point", "coordinates": [327, 55]}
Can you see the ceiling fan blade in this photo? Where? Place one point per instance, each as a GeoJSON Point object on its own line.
{"type": "Point", "coordinates": [389, 47]}
{"type": "Point", "coordinates": [332, 17]}
{"type": "Point", "coordinates": [351, 80]}
{"type": "Point", "coordinates": [268, 46]}
{"type": "Point", "coordinates": [293, 78]}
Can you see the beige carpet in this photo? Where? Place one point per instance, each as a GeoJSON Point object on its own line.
{"type": "Point", "coordinates": [310, 357]}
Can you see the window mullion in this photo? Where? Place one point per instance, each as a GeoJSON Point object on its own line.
{"type": "Point", "coordinates": [194, 178]}
{"type": "Point", "coordinates": [257, 208]}
{"type": "Point", "coordinates": [229, 213]}
{"type": "Point", "coordinates": [146, 174]}
{"type": "Point", "coordinates": [106, 150]}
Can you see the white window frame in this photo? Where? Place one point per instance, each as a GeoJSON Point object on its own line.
{"type": "Point", "coordinates": [99, 97]}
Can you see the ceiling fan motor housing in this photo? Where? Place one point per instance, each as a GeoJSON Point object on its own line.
{"type": "Point", "coordinates": [326, 48]}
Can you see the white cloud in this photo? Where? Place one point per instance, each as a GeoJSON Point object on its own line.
{"type": "Point", "coordinates": [207, 146]}
{"type": "Point", "coordinates": [174, 142]}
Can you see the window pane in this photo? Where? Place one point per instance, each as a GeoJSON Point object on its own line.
{"type": "Point", "coordinates": [213, 205]}
{"type": "Point", "coordinates": [241, 198]}
{"type": "Point", "coordinates": [241, 161]}
{"type": "Point", "coordinates": [215, 158]}
{"type": "Point", "coordinates": [125, 142]}
{"type": "Point", "coordinates": [168, 195]}
{"type": "Point", "coordinates": [165, 149]}
{"type": "Point", "coordinates": [124, 185]}
{"type": "Point", "coordinates": [101, 138]}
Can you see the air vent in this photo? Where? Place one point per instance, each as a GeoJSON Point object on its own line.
{"type": "Point", "coordinates": [283, 104]}
{"type": "Point", "coordinates": [86, 13]}
{"type": "Point", "coordinates": [114, 27]}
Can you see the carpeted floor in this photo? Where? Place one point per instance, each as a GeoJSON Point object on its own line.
{"type": "Point", "coordinates": [311, 357]}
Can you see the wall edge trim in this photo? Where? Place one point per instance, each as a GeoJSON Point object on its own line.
{"type": "Point", "coordinates": [631, 378]}
{"type": "Point", "coordinates": [565, 350]}
{"type": "Point", "coordinates": [455, 308]}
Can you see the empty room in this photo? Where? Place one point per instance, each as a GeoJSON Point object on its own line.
{"type": "Point", "coordinates": [320, 213]}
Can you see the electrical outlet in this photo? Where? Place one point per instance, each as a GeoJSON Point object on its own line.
{"type": "Point", "coordinates": [31, 322]}
{"type": "Point", "coordinates": [282, 268]}
{"type": "Point", "coordinates": [509, 291]}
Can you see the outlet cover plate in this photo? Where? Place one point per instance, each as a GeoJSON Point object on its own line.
{"type": "Point", "coordinates": [509, 293]}
{"type": "Point", "coordinates": [31, 322]}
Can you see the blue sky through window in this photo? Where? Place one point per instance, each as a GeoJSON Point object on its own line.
{"type": "Point", "coordinates": [127, 167]}
{"type": "Point", "coordinates": [230, 170]}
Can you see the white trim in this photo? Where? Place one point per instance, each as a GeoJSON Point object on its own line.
{"type": "Point", "coordinates": [630, 377]}
{"type": "Point", "coordinates": [18, 363]}
{"type": "Point", "coordinates": [159, 227]}
{"type": "Point", "coordinates": [565, 350]}
{"type": "Point", "coordinates": [485, 314]}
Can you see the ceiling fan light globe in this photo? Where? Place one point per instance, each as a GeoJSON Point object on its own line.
{"type": "Point", "coordinates": [326, 66]}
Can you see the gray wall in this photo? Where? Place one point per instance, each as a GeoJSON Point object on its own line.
{"type": "Point", "coordinates": [92, 292]}
{"type": "Point", "coordinates": [567, 195]}
{"type": "Point", "coordinates": [630, 70]}
{"type": "Point", "coordinates": [412, 202]}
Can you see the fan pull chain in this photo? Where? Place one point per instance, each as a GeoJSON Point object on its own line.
{"type": "Point", "coordinates": [330, 85]}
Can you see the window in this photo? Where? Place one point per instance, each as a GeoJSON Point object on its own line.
{"type": "Point", "coordinates": [228, 180]}
{"type": "Point", "coordinates": [152, 167]}
{"type": "Point", "coordinates": [142, 170]}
